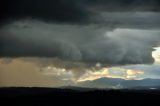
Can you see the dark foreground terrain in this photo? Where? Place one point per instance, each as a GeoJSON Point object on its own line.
{"type": "Point", "coordinates": [82, 96]}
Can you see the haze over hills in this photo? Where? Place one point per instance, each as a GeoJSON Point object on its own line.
{"type": "Point", "coordinates": [117, 83]}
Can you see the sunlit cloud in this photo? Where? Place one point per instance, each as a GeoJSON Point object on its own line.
{"type": "Point", "coordinates": [126, 74]}
{"type": "Point", "coordinates": [156, 54]}
{"type": "Point", "coordinates": [132, 74]}
{"type": "Point", "coordinates": [91, 75]}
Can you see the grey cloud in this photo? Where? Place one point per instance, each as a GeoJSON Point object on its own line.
{"type": "Point", "coordinates": [124, 5]}
{"type": "Point", "coordinates": [77, 42]}
{"type": "Point", "coordinates": [70, 11]}
{"type": "Point", "coordinates": [135, 20]}
{"type": "Point", "coordinates": [63, 11]}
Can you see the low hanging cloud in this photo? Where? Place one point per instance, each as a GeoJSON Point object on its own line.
{"type": "Point", "coordinates": [93, 73]}
{"type": "Point", "coordinates": [126, 74]}
{"type": "Point", "coordinates": [33, 72]}
{"type": "Point", "coordinates": [32, 38]}
{"type": "Point", "coordinates": [62, 73]}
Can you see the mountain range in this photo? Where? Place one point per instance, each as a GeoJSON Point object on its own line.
{"type": "Point", "coordinates": [117, 83]}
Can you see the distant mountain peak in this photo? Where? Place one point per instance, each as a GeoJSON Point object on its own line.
{"type": "Point", "coordinates": [106, 82]}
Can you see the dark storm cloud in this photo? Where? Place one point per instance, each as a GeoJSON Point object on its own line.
{"type": "Point", "coordinates": [135, 20]}
{"type": "Point", "coordinates": [53, 10]}
{"type": "Point", "coordinates": [78, 43]}
{"type": "Point", "coordinates": [69, 11]}
{"type": "Point", "coordinates": [119, 37]}
{"type": "Point", "coordinates": [124, 5]}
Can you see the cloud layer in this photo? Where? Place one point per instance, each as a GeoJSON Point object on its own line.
{"type": "Point", "coordinates": [63, 42]}
{"type": "Point", "coordinates": [47, 72]}
{"type": "Point", "coordinates": [30, 38]}
{"type": "Point", "coordinates": [70, 11]}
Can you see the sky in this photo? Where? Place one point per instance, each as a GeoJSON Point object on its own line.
{"type": "Point", "coordinates": [54, 43]}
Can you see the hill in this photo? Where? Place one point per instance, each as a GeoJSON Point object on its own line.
{"type": "Point", "coordinates": [117, 83]}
